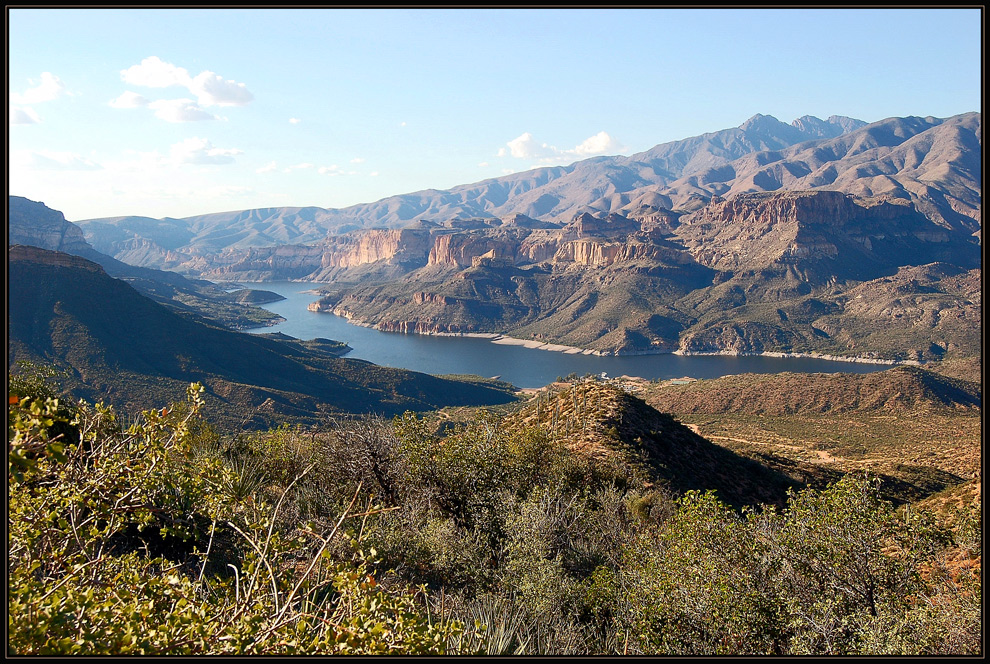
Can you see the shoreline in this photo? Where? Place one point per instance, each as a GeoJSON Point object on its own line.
{"type": "Point", "coordinates": [810, 356]}
{"type": "Point", "coordinates": [502, 339]}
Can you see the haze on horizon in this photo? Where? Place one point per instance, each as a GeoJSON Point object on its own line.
{"type": "Point", "coordinates": [179, 112]}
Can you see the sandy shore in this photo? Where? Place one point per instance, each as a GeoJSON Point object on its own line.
{"type": "Point", "coordinates": [812, 356]}
{"type": "Point", "coordinates": [540, 345]}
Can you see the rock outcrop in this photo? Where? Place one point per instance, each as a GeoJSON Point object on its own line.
{"type": "Point", "coordinates": [752, 231]}
{"type": "Point", "coordinates": [35, 224]}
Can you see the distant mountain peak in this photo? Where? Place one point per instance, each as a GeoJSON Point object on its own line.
{"type": "Point", "coordinates": [760, 122]}
{"type": "Point", "coordinates": [835, 126]}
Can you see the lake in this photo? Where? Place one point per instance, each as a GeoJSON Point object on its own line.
{"type": "Point", "coordinates": [523, 367]}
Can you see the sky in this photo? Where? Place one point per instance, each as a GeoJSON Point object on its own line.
{"type": "Point", "coordinates": [180, 112]}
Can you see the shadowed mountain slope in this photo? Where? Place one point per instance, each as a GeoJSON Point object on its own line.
{"type": "Point", "coordinates": [34, 224]}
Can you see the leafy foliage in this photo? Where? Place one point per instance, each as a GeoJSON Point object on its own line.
{"type": "Point", "coordinates": [115, 543]}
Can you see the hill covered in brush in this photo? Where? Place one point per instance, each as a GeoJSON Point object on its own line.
{"type": "Point", "coordinates": [899, 390]}
{"type": "Point", "coordinates": [614, 428]}
{"type": "Point", "coordinates": [486, 537]}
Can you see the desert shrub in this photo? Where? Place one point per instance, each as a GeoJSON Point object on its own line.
{"type": "Point", "coordinates": [111, 542]}
{"type": "Point", "coordinates": [697, 584]}
{"type": "Point", "coordinates": [837, 571]}
{"type": "Point", "coordinates": [463, 475]}
{"type": "Point", "coordinates": [846, 563]}
{"type": "Point", "coordinates": [166, 536]}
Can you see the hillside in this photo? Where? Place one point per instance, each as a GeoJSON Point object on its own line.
{"type": "Point", "coordinates": [615, 429]}
{"type": "Point", "coordinates": [486, 537]}
{"type": "Point", "coordinates": [128, 350]}
{"type": "Point", "coordinates": [895, 391]}
{"type": "Point", "coordinates": [918, 431]}
{"type": "Point", "coordinates": [791, 272]}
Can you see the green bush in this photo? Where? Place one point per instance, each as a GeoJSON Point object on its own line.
{"type": "Point", "coordinates": [110, 541]}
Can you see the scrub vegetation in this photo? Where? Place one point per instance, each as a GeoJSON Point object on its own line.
{"type": "Point", "coordinates": [560, 528]}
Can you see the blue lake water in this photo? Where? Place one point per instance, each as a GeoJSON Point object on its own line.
{"type": "Point", "coordinates": [523, 367]}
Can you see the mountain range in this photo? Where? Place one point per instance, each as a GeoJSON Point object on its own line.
{"type": "Point", "coordinates": [933, 163]}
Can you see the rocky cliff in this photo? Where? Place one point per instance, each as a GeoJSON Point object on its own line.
{"type": "Point", "coordinates": [34, 224]}
{"type": "Point", "coordinates": [752, 231]}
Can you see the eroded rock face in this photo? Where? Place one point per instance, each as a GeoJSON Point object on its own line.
{"type": "Point", "coordinates": [602, 253]}
{"type": "Point", "coordinates": [745, 232]}
{"type": "Point", "coordinates": [751, 231]}
{"type": "Point", "coordinates": [460, 249]}
{"type": "Point", "coordinates": [696, 282]}
{"type": "Point", "coordinates": [35, 224]}
{"type": "Point", "coordinates": [263, 264]}
{"type": "Point", "coordinates": [392, 246]}
{"type": "Point", "coordinates": [743, 338]}
{"type": "Point", "coordinates": [612, 226]}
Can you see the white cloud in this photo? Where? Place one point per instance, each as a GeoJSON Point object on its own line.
{"type": "Point", "coordinates": [153, 72]}
{"type": "Point", "coordinates": [527, 147]}
{"type": "Point", "coordinates": [294, 120]}
{"type": "Point", "coordinates": [357, 160]}
{"type": "Point", "coordinates": [402, 124]}
{"type": "Point", "coordinates": [524, 147]}
{"type": "Point", "coordinates": [129, 100]}
{"type": "Point", "coordinates": [179, 110]}
{"type": "Point", "coordinates": [212, 90]}
{"type": "Point", "coordinates": [201, 151]}
{"type": "Point", "coordinates": [483, 164]}
{"type": "Point", "coordinates": [47, 160]}
{"type": "Point", "coordinates": [373, 174]}
{"type": "Point", "coordinates": [25, 115]}
{"type": "Point", "coordinates": [48, 89]}
{"type": "Point", "coordinates": [209, 88]}
{"type": "Point", "coordinates": [267, 168]}
{"type": "Point", "coordinates": [600, 143]}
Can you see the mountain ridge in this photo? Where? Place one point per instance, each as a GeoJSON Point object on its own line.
{"type": "Point", "coordinates": [31, 223]}
{"type": "Point", "coordinates": [899, 390]}
{"type": "Point", "coordinates": [678, 175]}
{"type": "Point", "coordinates": [488, 197]}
